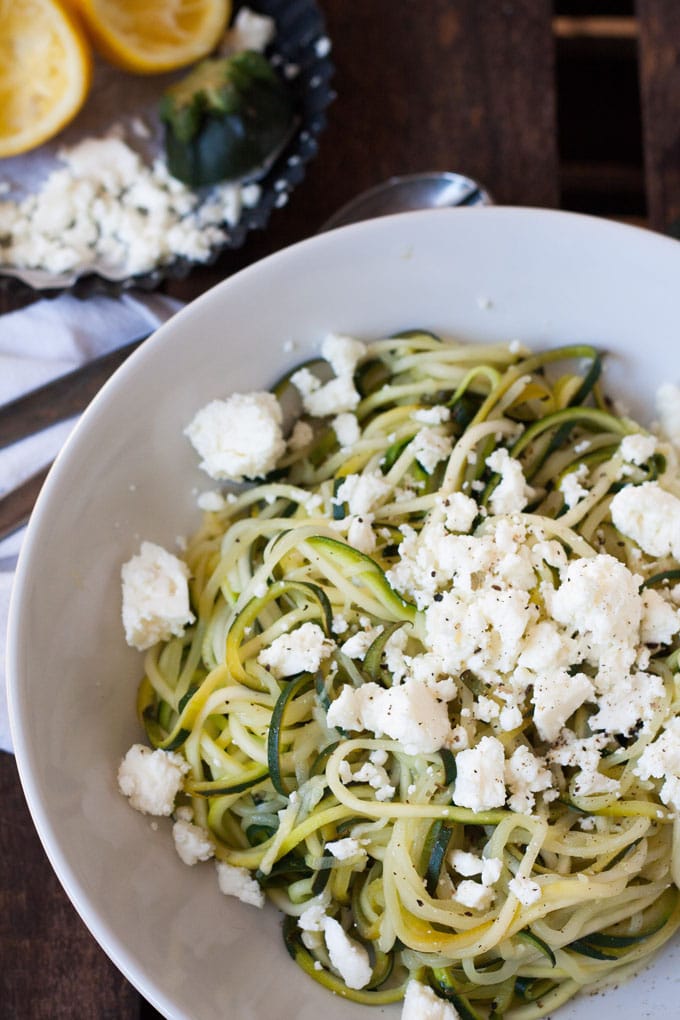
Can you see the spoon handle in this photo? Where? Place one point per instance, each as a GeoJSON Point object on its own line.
{"type": "Point", "coordinates": [60, 398]}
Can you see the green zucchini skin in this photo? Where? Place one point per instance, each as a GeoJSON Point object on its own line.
{"type": "Point", "coordinates": [225, 119]}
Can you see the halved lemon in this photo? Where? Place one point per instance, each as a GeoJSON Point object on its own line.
{"type": "Point", "coordinates": [151, 36]}
{"type": "Point", "coordinates": [45, 72]}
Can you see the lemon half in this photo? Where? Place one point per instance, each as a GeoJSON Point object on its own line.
{"type": "Point", "coordinates": [151, 36]}
{"type": "Point", "coordinates": [45, 72]}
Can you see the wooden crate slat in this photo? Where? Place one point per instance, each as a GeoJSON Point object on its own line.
{"type": "Point", "coordinates": [660, 93]}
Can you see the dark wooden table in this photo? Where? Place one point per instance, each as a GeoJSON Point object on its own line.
{"type": "Point", "coordinates": [572, 104]}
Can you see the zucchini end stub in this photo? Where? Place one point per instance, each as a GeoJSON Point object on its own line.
{"type": "Point", "coordinates": [225, 119]}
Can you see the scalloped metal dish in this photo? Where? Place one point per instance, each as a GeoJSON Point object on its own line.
{"type": "Point", "coordinates": [301, 48]}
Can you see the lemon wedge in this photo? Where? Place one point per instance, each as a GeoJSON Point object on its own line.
{"type": "Point", "coordinates": [151, 36]}
{"type": "Point", "coordinates": [45, 72]}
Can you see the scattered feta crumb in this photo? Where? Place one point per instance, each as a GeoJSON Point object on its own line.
{"type": "Point", "coordinates": [512, 493]}
{"type": "Point", "coordinates": [239, 437]}
{"type": "Point", "coordinates": [346, 428]}
{"type": "Point", "coordinates": [474, 895]}
{"type": "Point", "coordinates": [343, 849]}
{"type": "Point", "coordinates": [347, 956]}
{"type": "Point", "coordinates": [661, 760]}
{"type": "Point", "coordinates": [342, 353]}
{"type": "Point", "coordinates": [302, 650]}
{"type": "Point", "coordinates": [571, 488]}
{"type": "Point", "coordinates": [240, 883]}
{"type": "Point", "coordinates": [650, 516]}
{"type": "Point", "coordinates": [362, 493]}
{"type": "Point", "coordinates": [480, 783]}
{"type": "Point", "coordinates": [526, 891]}
{"type": "Point", "coordinates": [525, 776]}
{"type": "Point", "coordinates": [638, 448]}
{"type": "Point", "coordinates": [155, 597]}
{"type": "Point", "coordinates": [249, 31]}
{"type": "Point", "coordinates": [421, 1003]}
{"type": "Point", "coordinates": [192, 842]}
{"type": "Point", "coordinates": [411, 713]}
{"type": "Point", "coordinates": [430, 447]}
{"type": "Point", "coordinates": [151, 779]}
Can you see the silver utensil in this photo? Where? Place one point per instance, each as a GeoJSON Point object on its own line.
{"type": "Point", "coordinates": [69, 394]}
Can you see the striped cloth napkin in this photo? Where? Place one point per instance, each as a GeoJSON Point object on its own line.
{"type": "Point", "coordinates": [37, 343]}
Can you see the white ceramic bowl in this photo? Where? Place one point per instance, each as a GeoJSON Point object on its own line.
{"type": "Point", "coordinates": [128, 473]}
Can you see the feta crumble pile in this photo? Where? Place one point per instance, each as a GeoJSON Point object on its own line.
{"type": "Point", "coordinates": [104, 209]}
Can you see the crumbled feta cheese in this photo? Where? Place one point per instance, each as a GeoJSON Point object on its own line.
{"type": "Point", "coordinates": [584, 755]}
{"type": "Point", "coordinates": [360, 533]}
{"type": "Point", "coordinates": [570, 485]}
{"type": "Point", "coordinates": [240, 883]}
{"type": "Point", "coordinates": [526, 891]}
{"type": "Point", "coordinates": [649, 516]}
{"type": "Point", "coordinates": [421, 1003]}
{"type": "Point", "coordinates": [411, 713]}
{"type": "Point", "coordinates": [313, 918]}
{"type": "Point", "coordinates": [347, 956]}
{"type": "Point", "coordinates": [491, 870]}
{"type": "Point", "coordinates": [660, 619]}
{"type": "Point", "coordinates": [525, 776]}
{"type": "Point", "coordinates": [302, 650]}
{"type": "Point", "coordinates": [429, 447]}
{"type": "Point", "coordinates": [557, 694]}
{"type": "Point", "coordinates": [249, 31]}
{"type": "Point", "coordinates": [340, 624]}
{"type": "Point", "coordinates": [192, 842]}
{"type": "Point", "coordinates": [474, 895]}
{"type": "Point", "coordinates": [211, 501]}
{"type": "Point", "coordinates": [343, 353]}
{"type": "Point", "coordinates": [373, 773]}
{"type": "Point", "coordinates": [436, 415]}
{"type": "Point", "coordinates": [661, 760]}
{"type": "Point", "coordinates": [151, 779]}
{"type": "Point", "coordinates": [343, 849]}
{"type": "Point", "coordinates": [459, 512]}
{"type": "Point", "coordinates": [356, 646]}
{"type": "Point", "coordinates": [338, 395]}
{"type": "Point", "coordinates": [626, 700]}
{"type": "Point", "coordinates": [465, 863]}
{"type": "Point", "coordinates": [598, 597]}
{"type": "Point", "coordinates": [155, 597]}
{"type": "Point", "coordinates": [512, 492]}
{"type": "Point", "coordinates": [480, 783]}
{"type": "Point", "coordinates": [346, 427]}
{"type": "Point", "coordinates": [104, 208]}
{"type": "Point", "coordinates": [638, 448]}
{"type": "Point", "coordinates": [482, 631]}
{"type": "Point", "coordinates": [362, 493]}
{"type": "Point", "coordinates": [239, 437]}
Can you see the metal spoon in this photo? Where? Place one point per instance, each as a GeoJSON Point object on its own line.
{"type": "Point", "coordinates": [69, 394]}
{"type": "Point", "coordinates": [430, 190]}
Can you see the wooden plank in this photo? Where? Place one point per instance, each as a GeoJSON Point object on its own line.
{"type": "Point", "coordinates": [660, 95]}
{"type": "Point", "coordinates": [52, 969]}
{"type": "Point", "coordinates": [446, 84]}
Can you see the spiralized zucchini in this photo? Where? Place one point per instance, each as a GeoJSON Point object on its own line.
{"type": "Point", "coordinates": [362, 825]}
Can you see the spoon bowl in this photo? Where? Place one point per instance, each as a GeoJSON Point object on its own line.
{"type": "Point", "coordinates": [427, 190]}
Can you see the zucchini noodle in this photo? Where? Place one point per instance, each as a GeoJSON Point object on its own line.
{"type": "Point", "coordinates": [474, 473]}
